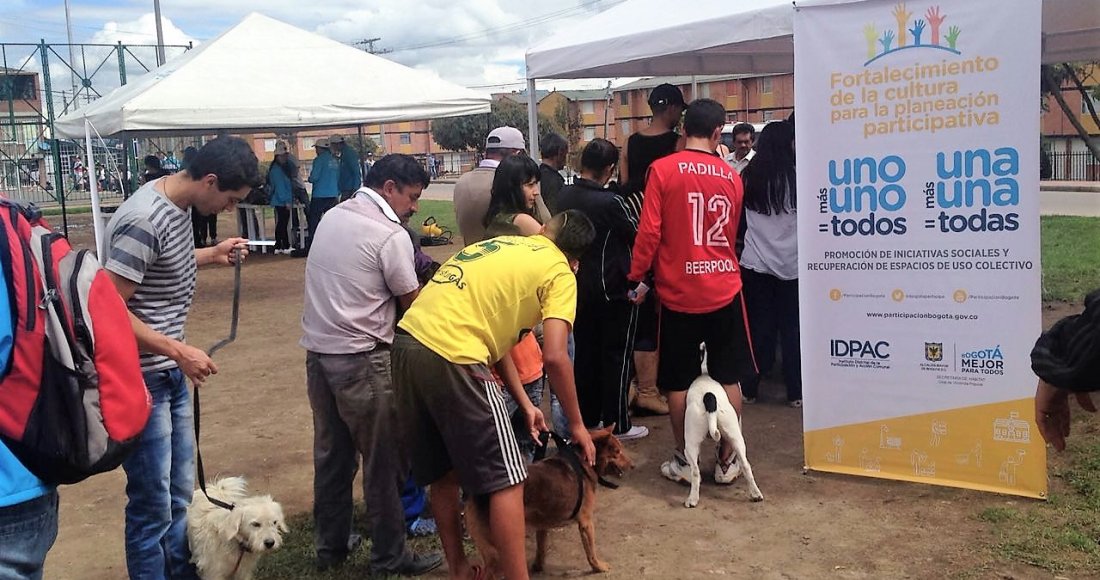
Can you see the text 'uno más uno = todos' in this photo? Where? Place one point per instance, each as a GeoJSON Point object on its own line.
{"type": "Point", "coordinates": [976, 178]}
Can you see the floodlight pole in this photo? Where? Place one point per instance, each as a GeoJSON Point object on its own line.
{"type": "Point", "coordinates": [160, 33]}
{"type": "Point", "coordinates": [533, 119]}
{"type": "Point", "coordinates": [72, 59]}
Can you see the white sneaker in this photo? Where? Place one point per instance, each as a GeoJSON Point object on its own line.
{"type": "Point", "coordinates": [635, 432]}
{"type": "Point", "coordinates": [677, 468]}
{"type": "Point", "coordinates": [725, 474]}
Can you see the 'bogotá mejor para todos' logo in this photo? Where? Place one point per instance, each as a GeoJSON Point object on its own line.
{"type": "Point", "coordinates": [927, 32]}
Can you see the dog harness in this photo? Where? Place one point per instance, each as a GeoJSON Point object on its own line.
{"type": "Point", "coordinates": [569, 451]}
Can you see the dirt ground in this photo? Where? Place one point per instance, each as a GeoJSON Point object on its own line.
{"type": "Point", "coordinates": [257, 423]}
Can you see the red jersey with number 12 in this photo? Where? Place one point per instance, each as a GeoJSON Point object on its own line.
{"type": "Point", "coordinates": [687, 231]}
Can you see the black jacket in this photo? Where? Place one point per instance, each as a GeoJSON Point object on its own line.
{"type": "Point", "coordinates": [550, 183]}
{"type": "Point", "coordinates": [603, 268]}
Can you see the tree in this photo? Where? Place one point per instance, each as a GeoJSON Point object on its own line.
{"type": "Point", "coordinates": [1053, 79]}
{"type": "Point", "coordinates": [567, 122]}
{"type": "Point", "coordinates": [362, 143]}
{"type": "Point", "coordinates": [469, 132]}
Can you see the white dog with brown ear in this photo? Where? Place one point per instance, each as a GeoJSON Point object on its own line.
{"type": "Point", "coordinates": [227, 544]}
{"type": "Point", "coordinates": [709, 413]}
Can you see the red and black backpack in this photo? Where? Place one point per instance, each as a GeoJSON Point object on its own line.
{"type": "Point", "coordinates": [72, 398]}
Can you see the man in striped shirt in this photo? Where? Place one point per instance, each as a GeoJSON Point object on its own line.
{"type": "Point", "coordinates": [152, 260]}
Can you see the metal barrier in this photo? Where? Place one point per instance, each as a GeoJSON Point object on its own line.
{"type": "Point", "coordinates": [1074, 166]}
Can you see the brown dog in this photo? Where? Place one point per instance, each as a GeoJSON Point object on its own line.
{"type": "Point", "coordinates": [550, 499]}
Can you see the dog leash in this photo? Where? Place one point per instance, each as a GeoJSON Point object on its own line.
{"type": "Point", "coordinates": [197, 411]}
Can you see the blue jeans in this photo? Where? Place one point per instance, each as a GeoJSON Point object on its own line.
{"type": "Point", "coordinates": [519, 420]}
{"type": "Point", "coordinates": [558, 422]}
{"type": "Point", "coordinates": [27, 531]}
{"type": "Point", "coordinates": [160, 478]}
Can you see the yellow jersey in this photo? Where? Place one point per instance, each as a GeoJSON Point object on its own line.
{"type": "Point", "coordinates": [479, 303]}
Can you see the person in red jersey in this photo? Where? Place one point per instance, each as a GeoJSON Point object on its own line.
{"type": "Point", "coordinates": [686, 238]}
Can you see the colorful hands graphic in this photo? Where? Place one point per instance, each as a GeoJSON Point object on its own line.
{"type": "Point", "coordinates": [918, 28]}
{"type": "Point", "coordinates": [886, 40]}
{"type": "Point", "coordinates": [935, 19]}
{"type": "Point", "coordinates": [952, 36]}
{"type": "Point", "coordinates": [871, 35]}
{"type": "Point", "coordinates": [902, 17]}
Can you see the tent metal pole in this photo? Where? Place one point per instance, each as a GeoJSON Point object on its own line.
{"type": "Point", "coordinates": [533, 119]}
{"type": "Point", "coordinates": [93, 187]}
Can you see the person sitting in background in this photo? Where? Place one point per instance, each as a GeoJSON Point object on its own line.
{"type": "Point", "coordinates": [606, 319]}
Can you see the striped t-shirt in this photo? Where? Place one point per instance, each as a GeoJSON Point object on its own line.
{"type": "Point", "coordinates": [151, 244]}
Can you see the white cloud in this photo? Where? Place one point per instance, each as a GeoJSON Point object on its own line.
{"type": "Point", "coordinates": [470, 42]}
{"type": "Point", "coordinates": [142, 30]}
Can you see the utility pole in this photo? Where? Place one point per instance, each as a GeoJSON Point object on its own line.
{"type": "Point", "coordinates": [160, 33]}
{"type": "Point", "coordinates": [606, 109]}
{"type": "Point", "coordinates": [369, 44]}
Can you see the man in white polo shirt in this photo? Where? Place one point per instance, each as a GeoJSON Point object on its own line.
{"type": "Point", "coordinates": [357, 275]}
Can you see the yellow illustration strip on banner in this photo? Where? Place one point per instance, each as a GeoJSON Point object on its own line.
{"type": "Point", "coordinates": [995, 447]}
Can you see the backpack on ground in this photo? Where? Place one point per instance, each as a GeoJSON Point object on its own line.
{"type": "Point", "coordinates": [72, 398]}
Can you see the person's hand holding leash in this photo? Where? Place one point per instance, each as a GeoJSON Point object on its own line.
{"type": "Point", "coordinates": [536, 422]}
{"type": "Point", "coordinates": [224, 252]}
{"type": "Point", "coordinates": [583, 440]}
{"type": "Point", "coordinates": [637, 295]}
{"type": "Point", "coordinates": [1052, 412]}
{"type": "Point", "coordinates": [194, 363]}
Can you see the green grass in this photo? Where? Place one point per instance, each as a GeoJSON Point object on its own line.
{"type": "Point", "coordinates": [295, 560]}
{"type": "Point", "coordinates": [1063, 534]}
{"type": "Point", "coordinates": [1071, 257]}
{"type": "Point", "coordinates": [442, 210]}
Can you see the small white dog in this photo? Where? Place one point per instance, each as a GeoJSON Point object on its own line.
{"type": "Point", "coordinates": [709, 412]}
{"type": "Point", "coordinates": [227, 544]}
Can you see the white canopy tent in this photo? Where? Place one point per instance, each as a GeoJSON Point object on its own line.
{"type": "Point", "coordinates": [646, 38]}
{"type": "Point", "coordinates": [265, 75]}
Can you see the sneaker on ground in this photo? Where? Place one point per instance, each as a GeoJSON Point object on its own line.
{"type": "Point", "coordinates": [422, 527]}
{"type": "Point", "coordinates": [725, 473]}
{"type": "Point", "coordinates": [797, 403]}
{"type": "Point", "coordinates": [677, 469]}
{"type": "Point", "coordinates": [635, 432]}
{"type": "Point", "coordinates": [748, 400]}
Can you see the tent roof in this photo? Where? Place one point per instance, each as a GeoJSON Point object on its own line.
{"type": "Point", "coordinates": [645, 38]}
{"type": "Point", "coordinates": [264, 74]}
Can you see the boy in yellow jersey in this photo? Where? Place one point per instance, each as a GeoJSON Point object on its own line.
{"type": "Point", "coordinates": [473, 311]}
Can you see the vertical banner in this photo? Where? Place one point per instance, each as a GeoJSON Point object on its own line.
{"type": "Point", "coordinates": [918, 194]}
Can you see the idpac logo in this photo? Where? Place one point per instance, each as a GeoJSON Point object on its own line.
{"type": "Point", "coordinates": [859, 349]}
{"type": "Point", "coordinates": [984, 361]}
{"type": "Point", "coordinates": [927, 32]}
{"type": "Point", "coordinates": [933, 351]}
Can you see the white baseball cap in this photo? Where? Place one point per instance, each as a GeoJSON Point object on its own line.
{"type": "Point", "coordinates": [505, 138]}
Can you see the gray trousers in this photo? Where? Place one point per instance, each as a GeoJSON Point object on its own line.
{"type": "Point", "coordinates": [354, 413]}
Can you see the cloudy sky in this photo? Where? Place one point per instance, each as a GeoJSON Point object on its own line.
{"type": "Point", "coordinates": [478, 43]}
